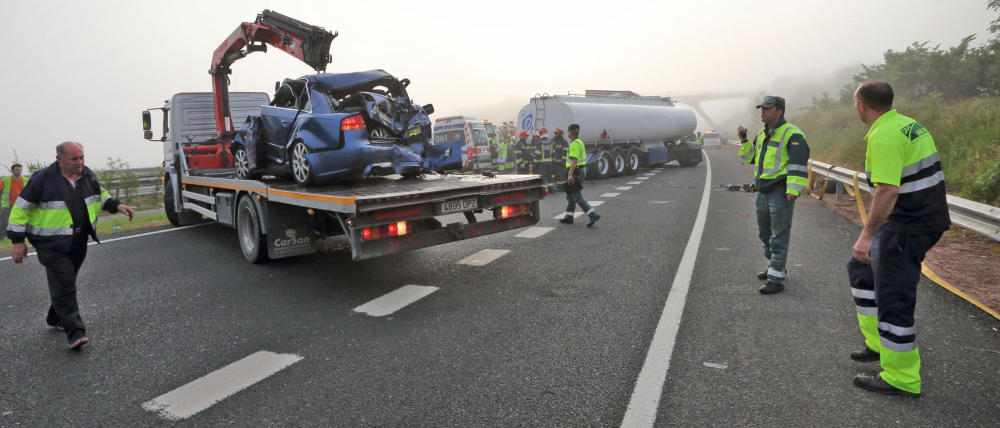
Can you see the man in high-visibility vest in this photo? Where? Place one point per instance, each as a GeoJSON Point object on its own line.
{"type": "Point", "coordinates": [10, 188]}
{"type": "Point", "coordinates": [576, 165]}
{"type": "Point", "coordinates": [698, 138]}
{"type": "Point", "coordinates": [57, 212]}
{"type": "Point", "coordinates": [501, 160]}
{"type": "Point", "coordinates": [779, 154]}
{"type": "Point", "coordinates": [909, 213]}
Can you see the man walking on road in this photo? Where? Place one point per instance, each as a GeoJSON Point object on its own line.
{"type": "Point", "coordinates": [576, 163]}
{"type": "Point", "coordinates": [909, 213]}
{"type": "Point", "coordinates": [57, 212]}
{"type": "Point", "coordinates": [780, 153]}
{"type": "Point", "coordinates": [10, 189]}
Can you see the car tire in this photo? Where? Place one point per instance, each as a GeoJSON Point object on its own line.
{"type": "Point", "coordinates": [632, 161]}
{"type": "Point", "coordinates": [301, 170]}
{"type": "Point", "coordinates": [253, 242]}
{"type": "Point", "coordinates": [241, 164]}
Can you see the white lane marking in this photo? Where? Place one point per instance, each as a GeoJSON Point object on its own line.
{"type": "Point", "coordinates": [642, 178]}
{"type": "Point", "coordinates": [483, 257]}
{"type": "Point", "coordinates": [634, 182]}
{"type": "Point", "coordinates": [596, 203]}
{"type": "Point", "coordinates": [641, 410]}
{"type": "Point", "coordinates": [624, 188]}
{"type": "Point", "coordinates": [563, 215]}
{"type": "Point", "coordinates": [535, 232]}
{"type": "Point", "coordinates": [661, 202]}
{"type": "Point", "coordinates": [650, 174]}
{"type": "Point", "coordinates": [610, 195]}
{"type": "Point", "coordinates": [396, 300]}
{"type": "Point", "coordinates": [105, 241]}
{"type": "Point", "coordinates": [214, 387]}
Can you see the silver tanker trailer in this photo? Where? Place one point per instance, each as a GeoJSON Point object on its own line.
{"type": "Point", "coordinates": [623, 131]}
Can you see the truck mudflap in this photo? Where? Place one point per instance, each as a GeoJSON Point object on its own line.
{"type": "Point", "coordinates": [447, 233]}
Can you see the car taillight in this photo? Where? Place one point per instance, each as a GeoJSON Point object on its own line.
{"type": "Point", "coordinates": [352, 123]}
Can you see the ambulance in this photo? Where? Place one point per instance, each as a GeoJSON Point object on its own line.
{"type": "Point", "coordinates": [472, 132]}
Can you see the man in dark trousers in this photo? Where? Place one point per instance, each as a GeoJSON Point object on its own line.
{"type": "Point", "coordinates": [909, 213]}
{"type": "Point", "coordinates": [57, 212]}
{"type": "Point", "coordinates": [559, 148]}
{"type": "Point", "coordinates": [576, 165]}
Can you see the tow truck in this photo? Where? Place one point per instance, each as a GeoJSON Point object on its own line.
{"type": "Point", "coordinates": [275, 218]}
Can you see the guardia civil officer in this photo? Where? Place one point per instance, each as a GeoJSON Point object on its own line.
{"type": "Point", "coordinates": [779, 154]}
{"type": "Point", "coordinates": [57, 213]}
{"type": "Point", "coordinates": [908, 215]}
{"type": "Point", "coordinates": [576, 165]}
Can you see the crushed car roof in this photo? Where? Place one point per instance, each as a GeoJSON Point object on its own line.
{"type": "Point", "coordinates": [341, 81]}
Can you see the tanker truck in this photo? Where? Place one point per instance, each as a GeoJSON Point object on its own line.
{"type": "Point", "coordinates": [623, 131]}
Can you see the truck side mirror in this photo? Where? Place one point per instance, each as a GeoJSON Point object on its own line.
{"type": "Point", "coordinates": [147, 125]}
{"type": "Point", "coordinates": [429, 109]}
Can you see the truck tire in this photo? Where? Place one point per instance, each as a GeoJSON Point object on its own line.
{"type": "Point", "coordinates": [603, 164]}
{"type": "Point", "coordinates": [618, 162]}
{"type": "Point", "coordinates": [183, 218]}
{"type": "Point", "coordinates": [253, 243]}
{"type": "Point", "coordinates": [632, 161]}
{"type": "Point", "coordinates": [302, 171]}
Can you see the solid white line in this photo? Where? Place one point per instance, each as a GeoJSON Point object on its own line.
{"type": "Point", "coordinates": [483, 257]}
{"type": "Point", "coordinates": [214, 387]}
{"type": "Point", "coordinates": [396, 300]}
{"type": "Point", "coordinates": [563, 215]}
{"type": "Point", "coordinates": [596, 203]}
{"type": "Point", "coordinates": [610, 195]}
{"type": "Point", "coordinates": [129, 237]}
{"type": "Point", "coordinates": [641, 411]}
{"type": "Point", "coordinates": [624, 188]}
{"type": "Point", "coordinates": [634, 182]}
{"type": "Point", "coordinates": [535, 232]}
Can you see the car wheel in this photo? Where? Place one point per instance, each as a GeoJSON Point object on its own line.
{"type": "Point", "coordinates": [241, 163]}
{"type": "Point", "coordinates": [632, 161]}
{"type": "Point", "coordinates": [302, 172]}
{"type": "Point", "coordinates": [253, 243]}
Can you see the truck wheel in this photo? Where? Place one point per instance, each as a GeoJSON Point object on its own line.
{"type": "Point", "coordinates": [302, 172]}
{"type": "Point", "coordinates": [618, 157]}
{"type": "Point", "coordinates": [168, 202]}
{"type": "Point", "coordinates": [604, 163]}
{"type": "Point", "coordinates": [632, 161]}
{"type": "Point", "coordinates": [253, 243]}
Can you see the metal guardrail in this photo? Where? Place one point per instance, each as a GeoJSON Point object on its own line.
{"type": "Point", "coordinates": [974, 216]}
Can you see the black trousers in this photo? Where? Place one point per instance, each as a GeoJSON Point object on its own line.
{"type": "Point", "coordinates": [61, 269]}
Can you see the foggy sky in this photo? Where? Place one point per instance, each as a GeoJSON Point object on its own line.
{"type": "Point", "coordinates": [83, 71]}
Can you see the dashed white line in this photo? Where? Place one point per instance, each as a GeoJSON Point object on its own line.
{"type": "Point", "coordinates": [396, 300]}
{"type": "Point", "coordinates": [634, 182]}
{"type": "Point", "coordinates": [624, 188]}
{"type": "Point", "coordinates": [641, 410]}
{"type": "Point", "coordinates": [214, 387]}
{"type": "Point", "coordinates": [661, 202]}
{"type": "Point", "coordinates": [610, 195]}
{"type": "Point", "coordinates": [535, 232]}
{"type": "Point", "coordinates": [483, 257]}
{"type": "Point", "coordinates": [650, 174]}
{"type": "Point", "coordinates": [563, 215]}
{"type": "Point", "coordinates": [642, 178]}
{"type": "Point", "coordinates": [596, 203]}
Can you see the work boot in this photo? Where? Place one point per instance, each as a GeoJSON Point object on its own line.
{"type": "Point", "coordinates": [77, 341]}
{"type": "Point", "coordinates": [762, 275]}
{"type": "Point", "coordinates": [771, 288]}
{"type": "Point", "coordinates": [879, 385]}
{"type": "Point", "coordinates": [593, 219]}
{"type": "Point", "coordinates": [865, 355]}
{"type": "Point", "coordinates": [566, 220]}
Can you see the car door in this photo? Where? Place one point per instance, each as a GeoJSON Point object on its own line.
{"type": "Point", "coordinates": [275, 125]}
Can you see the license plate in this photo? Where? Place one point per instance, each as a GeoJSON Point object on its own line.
{"type": "Point", "coordinates": [459, 205]}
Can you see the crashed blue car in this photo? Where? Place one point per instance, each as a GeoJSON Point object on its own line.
{"type": "Point", "coordinates": [324, 127]}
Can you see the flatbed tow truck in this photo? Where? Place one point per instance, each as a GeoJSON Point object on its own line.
{"type": "Point", "coordinates": [276, 218]}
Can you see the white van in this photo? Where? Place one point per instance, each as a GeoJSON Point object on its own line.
{"type": "Point", "coordinates": [472, 133]}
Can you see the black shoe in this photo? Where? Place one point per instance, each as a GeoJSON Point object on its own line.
{"type": "Point", "coordinates": [762, 275]}
{"type": "Point", "coordinates": [877, 384]}
{"type": "Point", "coordinates": [865, 355]}
{"type": "Point", "coordinates": [593, 219]}
{"type": "Point", "coordinates": [56, 327]}
{"type": "Point", "coordinates": [566, 220]}
{"type": "Point", "coordinates": [771, 288]}
{"type": "Point", "coordinates": [79, 341]}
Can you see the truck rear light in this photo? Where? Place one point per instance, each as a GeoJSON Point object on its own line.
{"type": "Point", "coordinates": [387, 230]}
{"type": "Point", "coordinates": [393, 229]}
{"type": "Point", "coordinates": [402, 228]}
{"type": "Point", "coordinates": [352, 123]}
{"type": "Point", "coordinates": [366, 233]}
{"type": "Point", "coordinates": [508, 211]}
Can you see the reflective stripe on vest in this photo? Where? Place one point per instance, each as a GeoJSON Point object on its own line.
{"type": "Point", "coordinates": [781, 143]}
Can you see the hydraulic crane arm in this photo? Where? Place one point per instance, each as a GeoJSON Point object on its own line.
{"type": "Point", "coordinates": [309, 43]}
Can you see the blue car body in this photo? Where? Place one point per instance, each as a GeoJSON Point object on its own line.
{"type": "Point", "coordinates": [340, 126]}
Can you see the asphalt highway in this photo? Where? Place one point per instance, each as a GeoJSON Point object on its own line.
{"type": "Point", "coordinates": [550, 328]}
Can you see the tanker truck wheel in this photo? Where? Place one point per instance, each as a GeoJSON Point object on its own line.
{"type": "Point", "coordinates": [632, 161]}
{"type": "Point", "coordinates": [603, 164]}
{"type": "Point", "coordinates": [618, 157]}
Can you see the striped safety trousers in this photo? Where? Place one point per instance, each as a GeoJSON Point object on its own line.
{"type": "Point", "coordinates": [885, 293]}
